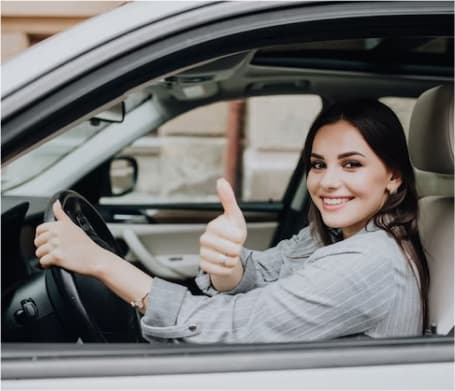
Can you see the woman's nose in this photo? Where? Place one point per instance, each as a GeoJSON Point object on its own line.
{"type": "Point", "coordinates": [330, 179]}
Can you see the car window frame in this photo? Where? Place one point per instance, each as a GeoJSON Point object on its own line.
{"type": "Point", "coordinates": [145, 359]}
{"type": "Point", "coordinates": [50, 113]}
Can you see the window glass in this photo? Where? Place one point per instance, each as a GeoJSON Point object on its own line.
{"type": "Point", "coordinates": [255, 143]}
{"type": "Point", "coordinates": [275, 131]}
{"type": "Point", "coordinates": [41, 158]}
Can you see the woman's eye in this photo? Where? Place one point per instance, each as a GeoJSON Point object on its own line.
{"type": "Point", "coordinates": [317, 165]}
{"type": "Point", "coordinates": [352, 164]}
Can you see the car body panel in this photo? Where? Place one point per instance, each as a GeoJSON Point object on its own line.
{"type": "Point", "coordinates": [310, 364]}
{"type": "Point", "coordinates": [420, 377]}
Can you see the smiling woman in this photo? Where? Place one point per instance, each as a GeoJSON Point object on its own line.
{"type": "Point", "coordinates": [372, 180]}
{"type": "Point", "coordinates": [348, 188]}
{"type": "Point", "coordinates": [362, 277]}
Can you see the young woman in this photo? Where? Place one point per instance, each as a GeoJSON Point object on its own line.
{"type": "Point", "coordinates": [358, 269]}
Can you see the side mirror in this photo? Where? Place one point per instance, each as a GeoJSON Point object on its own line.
{"type": "Point", "coordinates": [123, 173]}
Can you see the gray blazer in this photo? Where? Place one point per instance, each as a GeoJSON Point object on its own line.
{"type": "Point", "coordinates": [297, 291]}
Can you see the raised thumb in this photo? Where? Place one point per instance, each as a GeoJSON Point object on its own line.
{"type": "Point", "coordinates": [227, 198]}
{"type": "Point", "coordinates": [59, 213]}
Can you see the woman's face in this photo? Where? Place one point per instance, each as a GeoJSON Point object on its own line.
{"type": "Point", "coordinates": [347, 181]}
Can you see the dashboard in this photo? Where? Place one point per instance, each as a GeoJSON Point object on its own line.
{"type": "Point", "coordinates": [28, 304]}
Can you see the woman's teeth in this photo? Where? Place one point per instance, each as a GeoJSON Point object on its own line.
{"type": "Point", "coordinates": [335, 201]}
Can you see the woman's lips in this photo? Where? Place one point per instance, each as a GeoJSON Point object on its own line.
{"type": "Point", "coordinates": [334, 203]}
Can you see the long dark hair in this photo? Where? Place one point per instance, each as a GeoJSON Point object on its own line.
{"type": "Point", "coordinates": [382, 130]}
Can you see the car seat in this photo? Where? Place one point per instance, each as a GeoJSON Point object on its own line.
{"type": "Point", "coordinates": [431, 148]}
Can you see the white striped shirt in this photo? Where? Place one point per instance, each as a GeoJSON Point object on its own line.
{"type": "Point", "coordinates": [297, 291]}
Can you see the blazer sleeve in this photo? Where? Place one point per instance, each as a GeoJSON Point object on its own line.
{"type": "Point", "coordinates": [263, 267]}
{"type": "Point", "coordinates": [334, 295]}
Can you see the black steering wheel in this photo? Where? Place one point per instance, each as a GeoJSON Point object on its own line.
{"type": "Point", "coordinates": [87, 306]}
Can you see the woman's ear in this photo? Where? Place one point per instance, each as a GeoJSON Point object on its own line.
{"type": "Point", "coordinates": [394, 183]}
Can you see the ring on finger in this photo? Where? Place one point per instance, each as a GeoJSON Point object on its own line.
{"type": "Point", "coordinates": [224, 260]}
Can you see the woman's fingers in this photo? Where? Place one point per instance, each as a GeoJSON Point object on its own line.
{"type": "Point", "coordinates": [47, 260]}
{"type": "Point", "coordinates": [48, 255]}
{"type": "Point", "coordinates": [47, 242]}
{"type": "Point", "coordinates": [220, 244]}
{"type": "Point", "coordinates": [214, 269]}
{"type": "Point", "coordinates": [42, 238]}
{"type": "Point", "coordinates": [43, 228]}
{"type": "Point", "coordinates": [218, 258]}
{"type": "Point", "coordinates": [43, 250]}
{"type": "Point", "coordinates": [62, 243]}
{"type": "Point", "coordinates": [220, 247]}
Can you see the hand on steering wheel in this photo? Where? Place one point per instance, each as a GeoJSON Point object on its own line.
{"type": "Point", "coordinates": [63, 243]}
{"type": "Point", "coordinates": [72, 236]}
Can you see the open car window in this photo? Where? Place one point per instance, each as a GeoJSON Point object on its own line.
{"type": "Point", "coordinates": [38, 160]}
{"type": "Point", "coordinates": [255, 142]}
{"type": "Point", "coordinates": [232, 98]}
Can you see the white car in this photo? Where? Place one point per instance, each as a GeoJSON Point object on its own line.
{"type": "Point", "coordinates": [79, 109]}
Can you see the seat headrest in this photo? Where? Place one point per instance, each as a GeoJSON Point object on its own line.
{"type": "Point", "coordinates": [431, 131]}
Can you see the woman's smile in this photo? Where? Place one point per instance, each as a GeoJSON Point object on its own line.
{"type": "Point", "coordinates": [347, 181]}
{"type": "Point", "coordinates": [334, 203]}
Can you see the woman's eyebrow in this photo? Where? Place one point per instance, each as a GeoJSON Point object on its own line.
{"type": "Point", "coordinates": [341, 156]}
{"type": "Point", "coordinates": [347, 154]}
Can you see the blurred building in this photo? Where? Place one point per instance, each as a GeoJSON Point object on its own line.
{"type": "Point", "coordinates": [25, 23]}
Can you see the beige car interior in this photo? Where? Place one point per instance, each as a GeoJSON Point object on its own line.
{"type": "Point", "coordinates": [172, 250]}
{"type": "Point", "coordinates": [431, 147]}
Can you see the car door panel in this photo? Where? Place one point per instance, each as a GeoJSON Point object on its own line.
{"type": "Point", "coordinates": [410, 363]}
{"type": "Point", "coordinates": [416, 377]}
{"type": "Point", "coordinates": [172, 250]}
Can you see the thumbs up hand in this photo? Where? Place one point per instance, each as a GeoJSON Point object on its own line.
{"type": "Point", "coordinates": [62, 243]}
{"type": "Point", "coordinates": [222, 242]}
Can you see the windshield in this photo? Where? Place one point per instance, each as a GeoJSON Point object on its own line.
{"type": "Point", "coordinates": [41, 158]}
{"type": "Point", "coordinates": [47, 154]}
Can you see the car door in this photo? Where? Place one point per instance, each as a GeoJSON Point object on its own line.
{"type": "Point", "coordinates": [153, 51]}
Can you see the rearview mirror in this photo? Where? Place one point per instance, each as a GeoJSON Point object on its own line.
{"type": "Point", "coordinates": [115, 113]}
